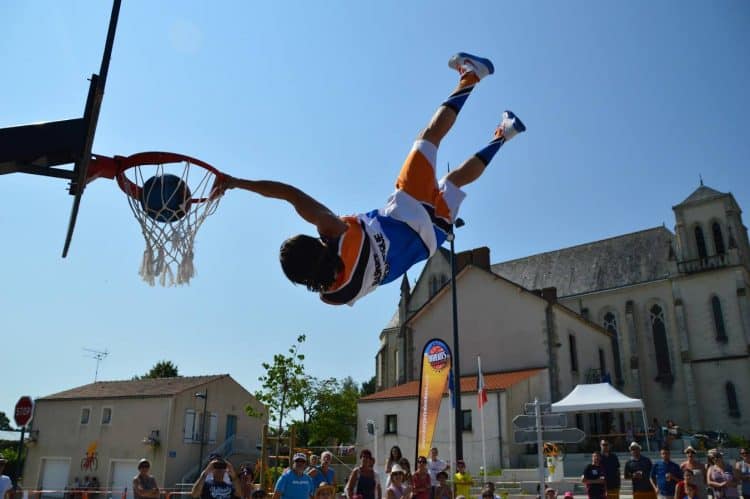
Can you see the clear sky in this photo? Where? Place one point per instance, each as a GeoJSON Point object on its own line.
{"type": "Point", "coordinates": [626, 104]}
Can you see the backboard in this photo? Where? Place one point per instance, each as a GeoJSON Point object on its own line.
{"type": "Point", "coordinates": [41, 148]}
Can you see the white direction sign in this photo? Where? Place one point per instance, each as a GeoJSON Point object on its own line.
{"type": "Point", "coordinates": [563, 435]}
{"type": "Point", "coordinates": [544, 407]}
{"type": "Point", "coordinates": [528, 421]}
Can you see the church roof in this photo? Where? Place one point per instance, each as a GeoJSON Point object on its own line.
{"type": "Point", "coordinates": [702, 193]}
{"type": "Point", "coordinates": [610, 263]}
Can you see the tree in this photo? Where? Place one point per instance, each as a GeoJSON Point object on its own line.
{"type": "Point", "coordinates": [4, 422]}
{"type": "Point", "coordinates": [335, 415]}
{"type": "Point", "coordinates": [283, 384]}
{"type": "Point", "coordinates": [162, 369]}
{"type": "Point", "coordinates": [368, 387]}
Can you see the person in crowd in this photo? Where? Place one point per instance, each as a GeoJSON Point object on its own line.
{"type": "Point", "coordinates": [680, 490]}
{"type": "Point", "coordinates": [421, 484]}
{"type": "Point", "coordinates": [312, 464]}
{"type": "Point", "coordinates": [324, 491]}
{"type": "Point", "coordinates": [434, 466]}
{"type": "Point", "coordinates": [638, 471]}
{"type": "Point", "coordinates": [397, 487]}
{"type": "Point", "coordinates": [442, 490]}
{"type": "Point", "coordinates": [247, 481]}
{"type": "Point", "coordinates": [293, 482]}
{"type": "Point", "coordinates": [324, 472]}
{"type": "Point", "coordinates": [593, 478]}
{"type": "Point", "coordinates": [720, 476]}
{"type": "Point", "coordinates": [406, 466]}
{"type": "Point", "coordinates": [462, 479]}
{"type": "Point", "coordinates": [742, 472]}
{"type": "Point", "coordinates": [394, 456]}
{"type": "Point", "coordinates": [550, 493]}
{"type": "Point", "coordinates": [144, 484]}
{"type": "Point", "coordinates": [5, 483]}
{"type": "Point", "coordinates": [363, 481]}
{"type": "Point", "coordinates": [211, 483]}
{"type": "Point", "coordinates": [568, 495]}
{"type": "Point", "coordinates": [611, 465]}
{"type": "Point", "coordinates": [664, 475]}
{"type": "Point", "coordinates": [488, 491]}
{"type": "Point", "coordinates": [698, 469]}
{"type": "Point", "coordinates": [691, 491]}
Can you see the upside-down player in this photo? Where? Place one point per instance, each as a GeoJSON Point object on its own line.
{"type": "Point", "coordinates": [356, 254]}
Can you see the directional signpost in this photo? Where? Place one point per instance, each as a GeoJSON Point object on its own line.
{"type": "Point", "coordinates": [538, 425]}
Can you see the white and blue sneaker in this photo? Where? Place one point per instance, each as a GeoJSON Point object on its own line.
{"type": "Point", "coordinates": [465, 63]}
{"type": "Point", "coordinates": [509, 127]}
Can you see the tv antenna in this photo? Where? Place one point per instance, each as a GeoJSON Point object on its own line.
{"type": "Point", "coordinates": [99, 356]}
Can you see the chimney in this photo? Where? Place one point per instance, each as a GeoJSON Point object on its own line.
{"type": "Point", "coordinates": [481, 257]}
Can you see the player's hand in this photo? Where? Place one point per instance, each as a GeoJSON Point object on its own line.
{"type": "Point", "coordinates": [221, 184]}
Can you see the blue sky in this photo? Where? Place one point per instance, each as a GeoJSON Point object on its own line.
{"type": "Point", "coordinates": [626, 104]}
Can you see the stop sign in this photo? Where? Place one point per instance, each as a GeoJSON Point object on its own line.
{"type": "Point", "coordinates": [24, 411]}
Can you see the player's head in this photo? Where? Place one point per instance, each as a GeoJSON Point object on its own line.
{"type": "Point", "coordinates": [306, 260]}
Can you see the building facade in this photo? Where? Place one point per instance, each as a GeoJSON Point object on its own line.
{"type": "Point", "coordinates": [103, 429]}
{"type": "Point", "coordinates": [674, 307]}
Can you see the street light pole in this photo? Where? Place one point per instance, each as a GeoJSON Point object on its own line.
{"type": "Point", "coordinates": [456, 365]}
{"type": "Point", "coordinates": [204, 396]}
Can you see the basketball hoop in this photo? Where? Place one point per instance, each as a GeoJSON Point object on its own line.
{"type": "Point", "coordinates": [170, 195]}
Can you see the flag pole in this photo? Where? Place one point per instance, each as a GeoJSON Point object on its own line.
{"type": "Point", "coordinates": [450, 419]}
{"type": "Point", "coordinates": [481, 415]}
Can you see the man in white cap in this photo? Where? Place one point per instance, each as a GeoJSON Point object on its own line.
{"type": "Point", "coordinates": [638, 470]}
{"type": "Point", "coordinates": [294, 483]}
{"type": "Point", "coordinates": [5, 483]}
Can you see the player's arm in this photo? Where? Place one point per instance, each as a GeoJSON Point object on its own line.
{"type": "Point", "coordinates": [309, 209]}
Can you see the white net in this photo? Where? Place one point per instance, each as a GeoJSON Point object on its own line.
{"type": "Point", "coordinates": [170, 216]}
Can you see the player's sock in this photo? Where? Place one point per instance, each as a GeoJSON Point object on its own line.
{"type": "Point", "coordinates": [466, 84]}
{"type": "Point", "coordinates": [508, 128]}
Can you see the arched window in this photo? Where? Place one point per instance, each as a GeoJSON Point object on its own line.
{"type": "Point", "coordinates": [700, 242]}
{"type": "Point", "coordinates": [721, 333]}
{"type": "Point", "coordinates": [734, 408]}
{"type": "Point", "coordinates": [610, 324]}
{"type": "Point", "coordinates": [718, 239]}
{"type": "Point", "coordinates": [659, 331]}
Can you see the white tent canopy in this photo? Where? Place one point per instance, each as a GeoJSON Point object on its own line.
{"type": "Point", "coordinates": [600, 397]}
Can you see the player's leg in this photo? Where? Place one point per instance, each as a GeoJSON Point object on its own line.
{"type": "Point", "coordinates": [471, 69]}
{"type": "Point", "coordinates": [417, 175]}
{"type": "Point", "coordinates": [472, 168]}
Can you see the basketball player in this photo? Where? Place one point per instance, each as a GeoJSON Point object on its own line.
{"type": "Point", "coordinates": [356, 254]}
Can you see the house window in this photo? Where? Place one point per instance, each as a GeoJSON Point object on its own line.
{"type": "Point", "coordinates": [189, 426]}
{"type": "Point", "coordinates": [573, 353]}
{"type": "Point", "coordinates": [107, 415]}
{"type": "Point", "coordinates": [610, 324]}
{"type": "Point", "coordinates": [85, 415]}
{"type": "Point", "coordinates": [734, 408]}
{"type": "Point", "coordinates": [213, 427]}
{"type": "Point", "coordinates": [718, 239]}
{"type": "Point", "coordinates": [700, 242]}
{"type": "Point", "coordinates": [466, 419]}
{"type": "Point", "coordinates": [579, 422]}
{"type": "Point", "coordinates": [391, 423]}
{"type": "Point", "coordinates": [721, 333]}
{"type": "Point", "coordinates": [659, 331]}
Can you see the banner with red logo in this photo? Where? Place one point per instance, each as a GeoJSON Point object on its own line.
{"type": "Point", "coordinates": [436, 364]}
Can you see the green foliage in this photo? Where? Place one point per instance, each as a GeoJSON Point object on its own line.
{"type": "Point", "coordinates": [4, 422]}
{"type": "Point", "coordinates": [284, 382]}
{"type": "Point", "coordinates": [335, 415]}
{"type": "Point", "coordinates": [368, 387]}
{"type": "Point", "coordinates": [162, 369]}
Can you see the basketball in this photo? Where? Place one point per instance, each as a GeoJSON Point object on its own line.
{"type": "Point", "coordinates": [165, 198]}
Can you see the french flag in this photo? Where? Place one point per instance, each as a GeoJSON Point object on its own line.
{"type": "Point", "coordinates": [481, 389]}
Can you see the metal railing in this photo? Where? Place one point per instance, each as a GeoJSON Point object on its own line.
{"type": "Point", "coordinates": [701, 264]}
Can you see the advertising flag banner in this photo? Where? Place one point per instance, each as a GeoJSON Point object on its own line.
{"type": "Point", "coordinates": [436, 364]}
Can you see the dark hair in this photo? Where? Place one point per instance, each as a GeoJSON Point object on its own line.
{"type": "Point", "coordinates": [398, 451]}
{"type": "Point", "coordinates": [306, 260]}
{"type": "Point", "coordinates": [666, 448]}
{"type": "Point", "coordinates": [443, 473]}
{"type": "Point", "coordinates": [365, 452]}
{"type": "Point", "coordinates": [258, 494]}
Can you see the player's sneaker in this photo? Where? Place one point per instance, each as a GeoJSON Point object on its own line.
{"type": "Point", "coordinates": [465, 63]}
{"type": "Point", "coordinates": [509, 127]}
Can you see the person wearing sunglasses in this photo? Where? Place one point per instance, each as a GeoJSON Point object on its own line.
{"type": "Point", "coordinates": [698, 469]}
{"type": "Point", "coordinates": [421, 485]}
{"type": "Point", "coordinates": [294, 483]}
